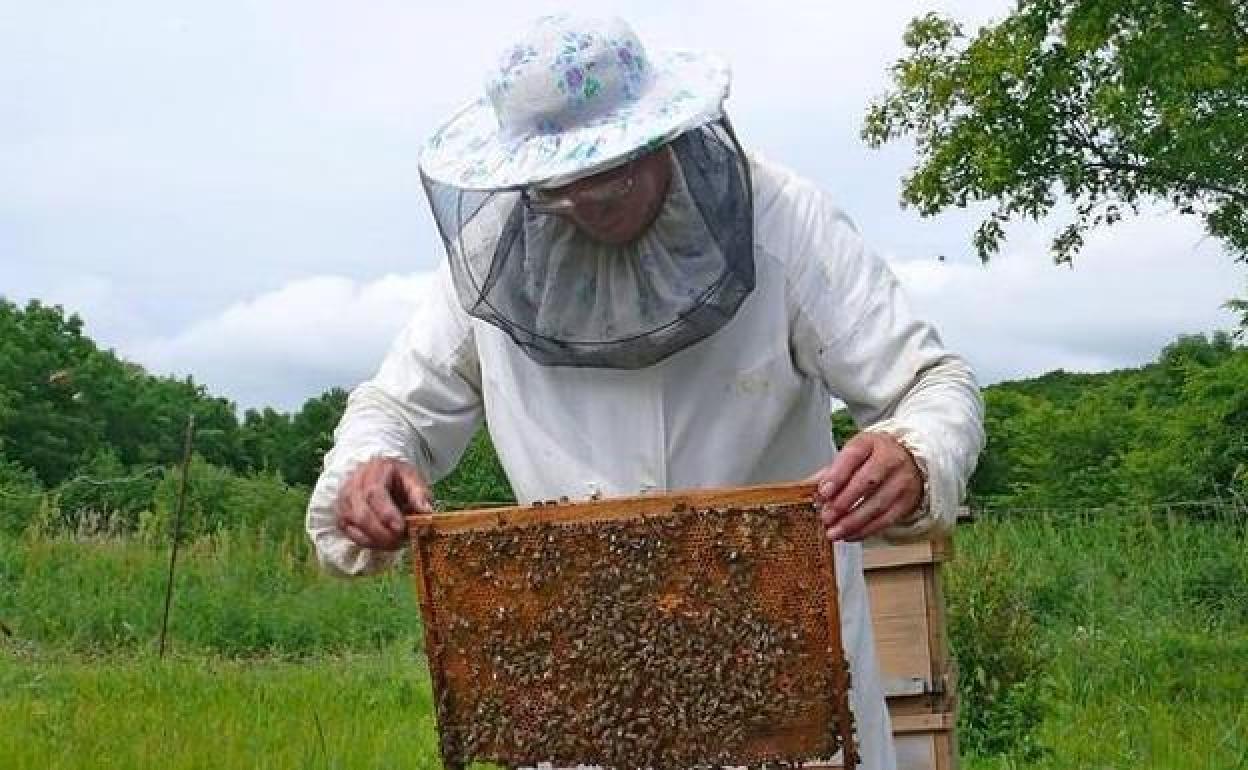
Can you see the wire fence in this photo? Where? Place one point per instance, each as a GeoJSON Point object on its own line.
{"type": "Point", "coordinates": [141, 476]}
{"type": "Point", "coordinates": [1231, 505]}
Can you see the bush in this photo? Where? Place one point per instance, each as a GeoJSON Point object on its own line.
{"type": "Point", "coordinates": [106, 497]}
{"type": "Point", "coordinates": [996, 642]}
{"type": "Point", "coordinates": [219, 500]}
{"type": "Point", "coordinates": [21, 497]}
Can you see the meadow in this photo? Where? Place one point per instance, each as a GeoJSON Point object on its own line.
{"type": "Point", "coordinates": [1116, 639]}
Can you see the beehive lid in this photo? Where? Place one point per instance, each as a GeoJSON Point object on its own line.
{"type": "Point", "coordinates": [664, 631]}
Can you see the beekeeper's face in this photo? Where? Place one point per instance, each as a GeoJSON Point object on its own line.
{"type": "Point", "coordinates": [615, 206]}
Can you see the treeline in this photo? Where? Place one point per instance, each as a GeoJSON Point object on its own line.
{"type": "Point", "coordinates": [87, 440]}
{"type": "Point", "coordinates": [1174, 431]}
{"type": "Point", "coordinates": [68, 407]}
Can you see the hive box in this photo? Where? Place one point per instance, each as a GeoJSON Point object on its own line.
{"type": "Point", "coordinates": [920, 683]}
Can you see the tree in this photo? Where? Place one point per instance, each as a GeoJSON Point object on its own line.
{"type": "Point", "coordinates": [1174, 430]}
{"type": "Point", "coordinates": [1109, 103]}
{"type": "Point", "coordinates": [266, 434]}
{"type": "Point", "coordinates": [44, 424]}
{"type": "Point", "coordinates": [312, 434]}
{"type": "Point", "coordinates": [63, 401]}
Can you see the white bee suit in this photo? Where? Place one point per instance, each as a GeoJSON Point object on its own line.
{"type": "Point", "coordinates": [749, 404]}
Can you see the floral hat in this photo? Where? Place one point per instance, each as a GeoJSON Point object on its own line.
{"type": "Point", "coordinates": [570, 98]}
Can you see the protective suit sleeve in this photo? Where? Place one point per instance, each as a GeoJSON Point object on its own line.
{"type": "Point", "coordinates": [423, 406]}
{"type": "Point", "coordinates": [852, 326]}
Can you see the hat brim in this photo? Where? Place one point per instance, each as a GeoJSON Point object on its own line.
{"type": "Point", "coordinates": [472, 152]}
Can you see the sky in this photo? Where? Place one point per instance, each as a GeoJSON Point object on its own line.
{"type": "Point", "coordinates": [230, 190]}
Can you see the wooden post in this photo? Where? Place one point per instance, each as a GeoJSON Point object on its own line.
{"type": "Point", "coordinates": [177, 529]}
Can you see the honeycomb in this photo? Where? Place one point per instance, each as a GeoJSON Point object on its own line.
{"type": "Point", "coordinates": [667, 636]}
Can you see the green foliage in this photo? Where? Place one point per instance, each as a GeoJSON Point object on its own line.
{"type": "Point", "coordinates": [21, 496]}
{"type": "Point", "coordinates": [1000, 660]}
{"type": "Point", "coordinates": [105, 497]}
{"type": "Point", "coordinates": [1131, 624]}
{"type": "Point", "coordinates": [219, 501]}
{"type": "Point", "coordinates": [68, 408]}
{"type": "Point", "coordinates": [1107, 103]}
{"type": "Point", "coordinates": [1130, 628]}
{"type": "Point", "coordinates": [63, 401]}
{"type": "Point", "coordinates": [237, 594]}
{"type": "Point", "coordinates": [312, 429]}
{"type": "Point", "coordinates": [293, 445]}
{"type": "Point", "coordinates": [1175, 430]}
{"type": "Point", "coordinates": [479, 477]}
{"type": "Point", "coordinates": [843, 427]}
{"type": "Point", "coordinates": [359, 712]}
{"type": "Point", "coordinates": [44, 427]}
{"type": "Point", "coordinates": [1240, 305]}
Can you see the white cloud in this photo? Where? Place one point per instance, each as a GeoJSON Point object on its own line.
{"type": "Point", "coordinates": [288, 345]}
{"type": "Point", "coordinates": [1133, 290]}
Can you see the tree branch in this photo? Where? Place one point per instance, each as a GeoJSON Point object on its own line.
{"type": "Point", "coordinates": [1080, 140]}
{"type": "Point", "coordinates": [1161, 173]}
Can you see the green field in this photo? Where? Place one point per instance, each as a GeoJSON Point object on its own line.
{"type": "Point", "coordinates": [1111, 641]}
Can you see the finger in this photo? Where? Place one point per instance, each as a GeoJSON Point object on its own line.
{"type": "Point", "coordinates": [386, 499]}
{"type": "Point", "coordinates": [357, 536]}
{"type": "Point", "coordinates": [866, 481]}
{"type": "Point", "coordinates": [412, 490]}
{"type": "Point", "coordinates": [902, 505]}
{"type": "Point", "coordinates": [344, 510]}
{"type": "Point", "coordinates": [834, 477]}
{"type": "Point", "coordinates": [376, 533]}
{"type": "Point", "coordinates": [829, 513]}
{"type": "Point", "coordinates": [905, 504]}
{"type": "Point", "coordinates": [853, 524]}
{"type": "Point", "coordinates": [363, 519]}
{"type": "Point", "coordinates": [894, 514]}
{"type": "Point", "coordinates": [384, 513]}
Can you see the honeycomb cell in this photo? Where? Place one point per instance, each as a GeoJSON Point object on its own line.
{"type": "Point", "coordinates": [678, 637]}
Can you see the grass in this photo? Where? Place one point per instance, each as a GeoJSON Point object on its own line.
{"type": "Point", "coordinates": [1141, 624]}
{"type": "Point", "coordinates": [1125, 635]}
{"type": "Point", "coordinates": [334, 713]}
{"type": "Point", "coordinates": [235, 595]}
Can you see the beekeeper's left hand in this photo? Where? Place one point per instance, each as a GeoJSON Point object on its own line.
{"type": "Point", "coordinates": [873, 483]}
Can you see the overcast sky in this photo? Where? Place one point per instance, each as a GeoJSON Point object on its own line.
{"type": "Point", "coordinates": [230, 189]}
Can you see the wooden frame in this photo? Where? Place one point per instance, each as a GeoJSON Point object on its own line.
{"type": "Point", "coordinates": [427, 528]}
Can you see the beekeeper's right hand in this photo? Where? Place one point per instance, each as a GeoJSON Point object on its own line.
{"type": "Point", "coordinates": [375, 498]}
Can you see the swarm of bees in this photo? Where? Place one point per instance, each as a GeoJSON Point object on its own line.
{"type": "Point", "coordinates": [691, 639]}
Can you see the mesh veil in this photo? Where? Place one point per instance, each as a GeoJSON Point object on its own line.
{"type": "Point", "coordinates": [568, 300]}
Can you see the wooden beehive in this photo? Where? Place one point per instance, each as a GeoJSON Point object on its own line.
{"type": "Point", "coordinates": [680, 630]}
{"type": "Point", "coordinates": [907, 615]}
{"type": "Point", "coordinates": [920, 683]}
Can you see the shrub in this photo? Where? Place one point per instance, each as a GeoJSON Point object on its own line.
{"type": "Point", "coordinates": [106, 497]}
{"type": "Point", "coordinates": [21, 496]}
{"type": "Point", "coordinates": [996, 642]}
{"type": "Point", "coordinates": [220, 500]}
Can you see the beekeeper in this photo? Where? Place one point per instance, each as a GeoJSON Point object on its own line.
{"type": "Point", "coordinates": [637, 304]}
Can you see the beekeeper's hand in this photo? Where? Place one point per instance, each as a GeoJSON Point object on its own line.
{"type": "Point", "coordinates": [376, 496]}
{"type": "Point", "coordinates": [873, 483]}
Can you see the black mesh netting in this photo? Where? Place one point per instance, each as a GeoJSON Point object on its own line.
{"type": "Point", "coordinates": [568, 300]}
